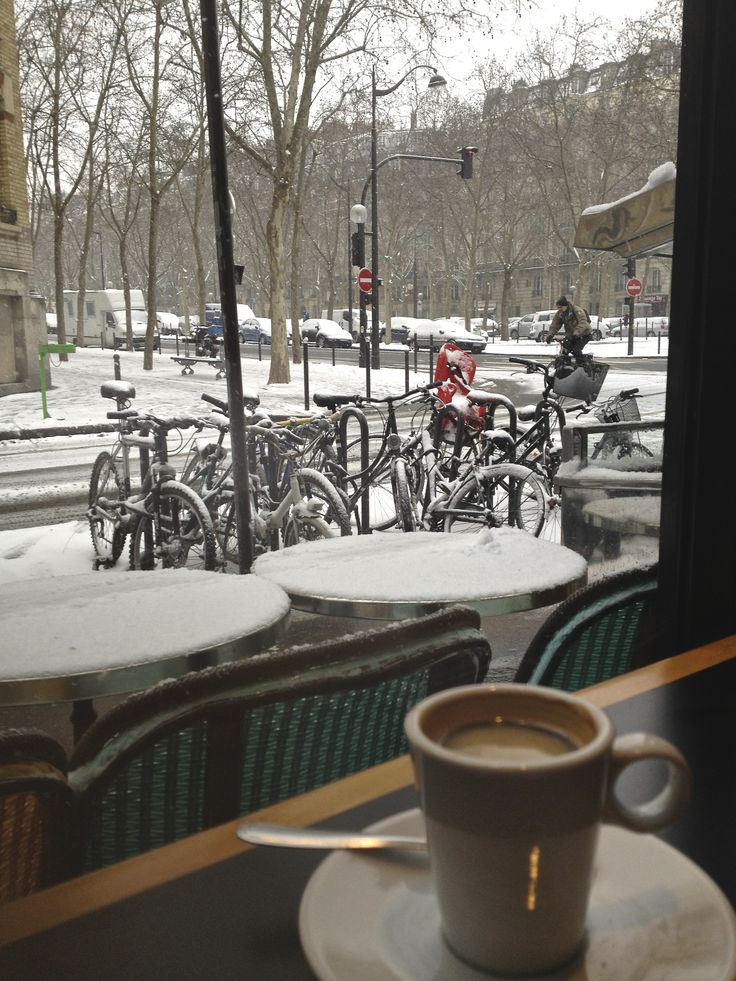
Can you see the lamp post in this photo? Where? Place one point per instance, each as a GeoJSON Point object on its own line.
{"type": "Point", "coordinates": [436, 81]}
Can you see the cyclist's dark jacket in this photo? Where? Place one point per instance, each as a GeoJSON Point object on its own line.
{"type": "Point", "coordinates": [574, 320]}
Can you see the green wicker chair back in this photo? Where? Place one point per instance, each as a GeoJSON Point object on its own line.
{"type": "Point", "coordinates": [222, 742]}
{"type": "Point", "coordinates": [36, 813]}
{"type": "Point", "coordinates": [601, 631]}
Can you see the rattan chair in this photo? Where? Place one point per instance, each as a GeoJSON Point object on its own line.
{"type": "Point", "coordinates": [601, 631]}
{"type": "Point", "coordinates": [36, 813]}
{"type": "Point", "coordinates": [222, 742]}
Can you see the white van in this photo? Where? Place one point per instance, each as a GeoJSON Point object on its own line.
{"type": "Point", "coordinates": [104, 321]}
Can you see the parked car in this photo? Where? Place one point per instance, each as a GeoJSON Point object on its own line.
{"type": "Point", "coordinates": [310, 327]}
{"type": "Point", "coordinates": [52, 328]}
{"type": "Point", "coordinates": [445, 330]}
{"type": "Point", "coordinates": [331, 334]}
{"type": "Point", "coordinates": [611, 326]}
{"type": "Point", "coordinates": [167, 323]}
{"type": "Point", "coordinates": [491, 328]}
{"type": "Point", "coordinates": [539, 325]}
{"type": "Point", "coordinates": [399, 330]}
{"type": "Point", "coordinates": [519, 327]}
{"type": "Point", "coordinates": [643, 327]}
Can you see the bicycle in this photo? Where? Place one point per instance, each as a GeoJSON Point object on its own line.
{"type": "Point", "coordinates": [168, 522]}
{"type": "Point", "coordinates": [622, 442]}
{"type": "Point", "coordinates": [289, 502]}
{"type": "Point", "coordinates": [369, 490]}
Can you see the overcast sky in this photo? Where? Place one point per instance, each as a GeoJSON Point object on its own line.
{"type": "Point", "coordinates": [458, 57]}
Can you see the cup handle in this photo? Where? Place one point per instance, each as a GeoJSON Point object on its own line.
{"type": "Point", "coordinates": [661, 810]}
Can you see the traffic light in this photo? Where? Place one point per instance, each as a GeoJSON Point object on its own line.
{"type": "Point", "coordinates": [357, 248]}
{"type": "Point", "coordinates": [466, 161]}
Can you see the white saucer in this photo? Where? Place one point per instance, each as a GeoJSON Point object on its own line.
{"type": "Point", "coordinates": [654, 916]}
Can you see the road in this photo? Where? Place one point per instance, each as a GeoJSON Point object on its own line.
{"type": "Point", "coordinates": [39, 486]}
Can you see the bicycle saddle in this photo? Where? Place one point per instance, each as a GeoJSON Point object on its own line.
{"type": "Point", "coordinates": [117, 390]}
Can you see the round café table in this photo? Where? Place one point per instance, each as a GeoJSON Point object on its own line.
{"type": "Point", "coordinates": [394, 575]}
{"type": "Point", "coordinates": [77, 637]}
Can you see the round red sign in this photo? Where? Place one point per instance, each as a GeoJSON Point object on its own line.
{"type": "Point", "coordinates": [633, 287]}
{"type": "Point", "coordinates": [365, 280]}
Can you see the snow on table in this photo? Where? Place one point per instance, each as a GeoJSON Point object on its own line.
{"type": "Point", "coordinates": [497, 570]}
{"type": "Point", "coordinates": [97, 623]}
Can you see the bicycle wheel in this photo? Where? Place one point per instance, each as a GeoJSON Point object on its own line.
{"type": "Point", "coordinates": [187, 538]}
{"type": "Point", "coordinates": [403, 497]}
{"type": "Point", "coordinates": [382, 512]}
{"type": "Point", "coordinates": [504, 494]}
{"type": "Point", "coordinates": [108, 538]}
{"type": "Point", "coordinates": [619, 446]}
{"type": "Point", "coordinates": [320, 513]}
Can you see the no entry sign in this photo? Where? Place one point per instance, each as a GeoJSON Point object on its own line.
{"type": "Point", "coordinates": [365, 280]}
{"type": "Point", "coordinates": [633, 287]}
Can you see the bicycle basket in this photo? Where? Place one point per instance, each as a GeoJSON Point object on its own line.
{"type": "Point", "coordinates": [583, 382]}
{"type": "Point", "coordinates": [619, 410]}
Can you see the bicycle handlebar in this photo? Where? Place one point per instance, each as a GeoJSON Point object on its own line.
{"type": "Point", "coordinates": [249, 402]}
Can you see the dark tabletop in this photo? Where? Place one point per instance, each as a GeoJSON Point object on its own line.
{"type": "Point", "coordinates": [238, 919]}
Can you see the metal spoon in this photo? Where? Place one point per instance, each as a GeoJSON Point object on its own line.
{"type": "Point", "coordinates": [285, 837]}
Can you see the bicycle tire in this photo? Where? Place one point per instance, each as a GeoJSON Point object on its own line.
{"type": "Point", "coordinates": [406, 518]}
{"type": "Point", "coordinates": [187, 536]}
{"type": "Point", "coordinates": [330, 518]}
{"type": "Point", "coordinates": [108, 539]}
{"type": "Point", "coordinates": [614, 445]}
{"type": "Point", "coordinates": [502, 494]}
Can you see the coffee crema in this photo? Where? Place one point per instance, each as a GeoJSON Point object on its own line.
{"type": "Point", "coordinates": [508, 742]}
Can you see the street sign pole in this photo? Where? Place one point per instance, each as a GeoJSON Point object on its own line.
{"type": "Point", "coordinates": [633, 289]}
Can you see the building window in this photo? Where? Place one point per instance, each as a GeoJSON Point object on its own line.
{"type": "Point", "coordinates": [90, 304]}
{"type": "Point", "coordinates": [656, 283]}
{"type": "Point", "coordinates": [538, 287]}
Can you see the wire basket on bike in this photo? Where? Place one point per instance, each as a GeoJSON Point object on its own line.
{"type": "Point", "coordinates": [619, 409]}
{"type": "Point", "coordinates": [580, 381]}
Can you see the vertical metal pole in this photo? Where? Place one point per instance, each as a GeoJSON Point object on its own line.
{"type": "Point", "coordinates": [631, 272]}
{"type": "Point", "coordinates": [260, 348]}
{"type": "Point", "coordinates": [305, 360]}
{"type": "Point", "coordinates": [350, 270]}
{"type": "Point", "coordinates": [416, 354]}
{"type": "Point", "coordinates": [116, 366]}
{"type": "Point", "coordinates": [367, 367]}
{"type": "Point", "coordinates": [226, 269]}
{"type": "Point", "coordinates": [375, 330]}
{"type": "Point", "coordinates": [42, 381]}
{"type": "Point", "coordinates": [431, 358]}
{"type": "Point", "coordinates": [333, 353]}
{"type": "Point", "coordinates": [415, 284]}
{"type": "Point", "coordinates": [406, 370]}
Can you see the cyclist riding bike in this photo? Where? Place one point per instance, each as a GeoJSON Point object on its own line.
{"type": "Point", "coordinates": [578, 329]}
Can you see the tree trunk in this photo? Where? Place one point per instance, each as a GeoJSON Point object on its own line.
{"type": "Point", "coordinates": [279, 373]}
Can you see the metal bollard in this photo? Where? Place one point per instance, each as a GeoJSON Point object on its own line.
{"type": "Point", "coordinates": [367, 368]}
{"type": "Point", "coordinates": [177, 343]}
{"type": "Point", "coordinates": [416, 354]}
{"type": "Point", "coordinates": [305, 358]}
{"type": "Point", "coordinates": [406, 371]}
{"type": "Point", "coordinates": [260, 348]}
{"type": "Point", "coordinates": [116, 366]}
{"type": "Point", "coordinates": [333, 353]}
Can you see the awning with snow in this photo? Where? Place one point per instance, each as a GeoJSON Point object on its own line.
{"type": "Point", "coordinates": [639, 223]}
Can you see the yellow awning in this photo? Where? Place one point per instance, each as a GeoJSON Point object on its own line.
{"type": "Point", "coordinates": [636, 224]}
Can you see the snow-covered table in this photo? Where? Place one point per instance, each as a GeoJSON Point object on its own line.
{"type": "Point", "coordinates": [629, 515]}
{"type": "Point", "coordinates": [79, 637]}
{"type": "Point", "coordinates": [394, 575]}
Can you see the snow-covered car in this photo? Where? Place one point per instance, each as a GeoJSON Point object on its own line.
{"type": "Point", "coordinates": [310, 327]}
{"type": "Point", "coordinates": [167, 323]}
{"type": "Point", "coordinates": [643, 327]}
{"type": "Point", "coordinates": [51, 326]}
{"type": "Point", "coordinates": [490, 329]}
{"type": "Point", "coordinates": [437, 332]}
{"type": "Point", "coordinates": [331, 334]}
{"type": "Point", "coordinates": [519, 327]}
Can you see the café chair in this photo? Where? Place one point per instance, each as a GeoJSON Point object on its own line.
{"type": "Point", "coordinates": [602, 630]}
{"type": "Point", "coordinates": [36, 813]}
{"type": "Point", "coordinates": [215, 744]}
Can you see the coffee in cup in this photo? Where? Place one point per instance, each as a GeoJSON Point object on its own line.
{"type": "Point", "coordinates": [514, 782]}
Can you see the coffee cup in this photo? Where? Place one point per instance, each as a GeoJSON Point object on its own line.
{"type": "Point", "coordinates": [515, 782]}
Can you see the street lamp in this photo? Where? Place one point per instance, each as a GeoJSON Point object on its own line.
{"type": "Point", "coordinates": [435, 82]}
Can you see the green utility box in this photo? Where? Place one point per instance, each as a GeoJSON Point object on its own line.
{"type": "Point", "coordinates": [43, 350]}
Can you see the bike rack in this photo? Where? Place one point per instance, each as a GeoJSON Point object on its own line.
{"type": "Point", "coordinates": [353, 412]}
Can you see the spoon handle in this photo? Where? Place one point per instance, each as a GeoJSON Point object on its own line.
{"type": "Point", "coordinates": [285, 837]}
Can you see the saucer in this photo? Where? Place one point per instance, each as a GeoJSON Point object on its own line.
{"type": "Point", "coordinates": [653, 916]}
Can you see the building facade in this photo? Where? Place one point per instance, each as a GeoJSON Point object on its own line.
{"type": "Point", "coordinates": [22, 313]}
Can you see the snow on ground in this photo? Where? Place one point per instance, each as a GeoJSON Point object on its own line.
{"type": "Point", "coordinates": [66, 549]}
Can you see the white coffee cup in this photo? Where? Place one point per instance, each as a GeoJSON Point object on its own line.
{"type": "Point", "coordinates": [514, 782]}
